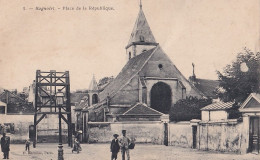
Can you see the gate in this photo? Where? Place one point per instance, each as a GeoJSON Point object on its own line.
{"type": "Point", "coordinates": [166, 134]}
{"type": "Point", "coordinates": [194, 136]}
{"type": "Point", "coordinates": [254, 135]}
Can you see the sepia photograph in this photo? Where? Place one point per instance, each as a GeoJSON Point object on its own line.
{"type": "Point", "coordinates": [130, 79]}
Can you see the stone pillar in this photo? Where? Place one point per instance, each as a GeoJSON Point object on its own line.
{"type": "Point", "coordinates": [223, 137]}
{"type": "Point", "coordinates": [245, 134]}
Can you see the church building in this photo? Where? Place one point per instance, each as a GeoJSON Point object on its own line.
{"type": "Point", "coordinates": [147, 86]}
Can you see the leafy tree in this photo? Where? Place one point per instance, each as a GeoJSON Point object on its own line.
{"type": "Point", "coordinates": [234, 112]}
{"type": "Point", "coordinates": [105, 80]}
{"type": "Point", "coordinates": [240, 78]}
{"type": "Point", "coordinates": [188, 109]}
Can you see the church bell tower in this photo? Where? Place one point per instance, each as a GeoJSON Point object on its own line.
{"type": "Point", "coordinates": [141, 38]}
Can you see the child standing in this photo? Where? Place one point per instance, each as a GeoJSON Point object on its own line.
{"type": "Point", "coordinates": [114, 148]}
{"type": "Point", "coordinates": [27, 145]}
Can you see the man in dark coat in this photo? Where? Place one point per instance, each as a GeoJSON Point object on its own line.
{"type": "Point", "coordinates": [114, 148]}
{"type": "Point", "coordinates": [5, 146]}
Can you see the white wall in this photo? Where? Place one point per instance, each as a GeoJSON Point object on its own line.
{"type": "Point", "coordinates": [214, 115]}
{"type": "Point", "coordinates": [16, 118]}
{"type": "Point", "coordinates": [205, 115]}
{"type": "Point", "coordinates": [21, 126]}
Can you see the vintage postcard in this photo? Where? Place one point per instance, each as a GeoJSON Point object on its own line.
{"type": "Point", "coordinates": [130, 79]}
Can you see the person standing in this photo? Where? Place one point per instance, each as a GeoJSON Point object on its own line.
{"type": "Point", "coordinates": [124, 143]}
{"type": "Point", "coordinates": [5, 146]}
{"type": "Point", "coordinates": [114, 147]}
{"type": "Point", "coordinates": [27, 145]}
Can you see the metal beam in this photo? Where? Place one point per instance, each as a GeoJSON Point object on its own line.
{"type": "Point", "coordinates": [39, 120]}
{"type": "Point", "coordinates": [53, 112]}
{"type": "Point", "coordinates": [64, 119]}
{"type": "Point", "coordinates": [53, 84]}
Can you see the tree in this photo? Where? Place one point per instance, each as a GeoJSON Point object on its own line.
{"type": "Point", "coordinates": [103, 82]}
{"type": "Point", "coordinates": [240, 78]}
{"type": "Point", "coordinates": [188, 109]}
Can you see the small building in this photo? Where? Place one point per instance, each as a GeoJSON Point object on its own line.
{"type": "Point", "coordinates": [139, 112]}
{"type": "Point", "coordinates": [216, 111]}
{"type": "Point", "coordinates": [15, 117]}
{"type": "Point", "coordinates": [3, 108]}
{"type": "Point", "coordinates": [251, 118]}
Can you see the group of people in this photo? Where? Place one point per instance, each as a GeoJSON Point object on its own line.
{"type": "Point", "coordinates": [123, 143]}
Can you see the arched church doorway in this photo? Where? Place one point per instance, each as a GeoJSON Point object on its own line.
{"type": "Point", "coordinates": [94, 99]}
{"type": "Point", "coordinates": [161, 97]}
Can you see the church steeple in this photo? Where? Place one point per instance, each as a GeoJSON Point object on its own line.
{"type": "Point", "coordinates": [93, 84]}
{"type": "Point", "coordinates": [140, 4]}
{"type": "Point", "coordinates": [141, 38]}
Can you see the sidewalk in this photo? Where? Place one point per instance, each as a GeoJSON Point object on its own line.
{"type": "Point", "coordinates": [141, 152]}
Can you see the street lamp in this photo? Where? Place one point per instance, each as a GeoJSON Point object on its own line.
{"type": "Point", "coordinates": [59, 102]}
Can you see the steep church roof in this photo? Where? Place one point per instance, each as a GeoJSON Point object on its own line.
{"type": "Point", "coordinates": [132, 67]}
{"type": "Point", "coordinates": [93, 84]}
{"type": "Point", "coordinates": [138, 65]}
{"type": "Point", "coordinates": [141, 32]}
{"type": "Point", "coordinates": [207, 86]}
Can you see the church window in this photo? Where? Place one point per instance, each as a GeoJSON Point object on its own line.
{"type": "Point", "coordinates": [130, 55]}
{"type": "Point", "coordinates": [2, 109]}
{"type": "Point", "coordinates": [141, 38]}
{"type": "Point", "coordinates": [94, 99]}
{"type": "Point", "coordinates": [160, 66]}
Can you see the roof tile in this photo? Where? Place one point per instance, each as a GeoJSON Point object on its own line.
{"type": "Point", "coordinates": [129, 70]}
{"type": "Point", "coordinates": [142, 109]}
{"type": "Point", "coordinates": [218, 106]}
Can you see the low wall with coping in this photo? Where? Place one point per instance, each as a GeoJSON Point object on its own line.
{"type": "Point", "coordinates": [224, 136]}
{"type": "Point", "coordinates": [220, 136]}
{"type": "Point", "coordinates": [20, 123]}
{"type": "Point", "coordinates": [141, 132]}
{"type": "Point", "coordinates": [180, 134]}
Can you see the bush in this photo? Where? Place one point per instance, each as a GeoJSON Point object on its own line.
{"type": "Point", "coordinates": [188, 109]}
{"type": "Point", "coordinates": [234, 112]}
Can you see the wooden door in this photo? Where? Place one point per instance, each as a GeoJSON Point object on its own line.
{"type": "Point", "coordinates": [194, 136]}
{"type": "Point", "coordinates": [254, 135]}
{"type": "Point", "coordinates": [166, 134]}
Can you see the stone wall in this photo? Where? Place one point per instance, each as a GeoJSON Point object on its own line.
{"type": "Point", "coordinates": [180, 134]}
{"type": "Point", "coordinates": [21, 125]}
{"type": "Point", "coordinates": [47, 129]}
{"type": "Point", "coordinates": [141, 132]}
{"type": "Point", "coordinates": [214, 115]}
{"type": "Point", "coordinates": [224, 136]}
{"type": "Point", "coordinates": [220, 136]}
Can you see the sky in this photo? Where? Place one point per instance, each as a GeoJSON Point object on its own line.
{"type": "Point", "coordinates": [86, 42]}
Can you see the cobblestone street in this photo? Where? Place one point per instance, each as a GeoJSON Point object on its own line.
{"type": "Point", "coordinates": [141, 152]}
